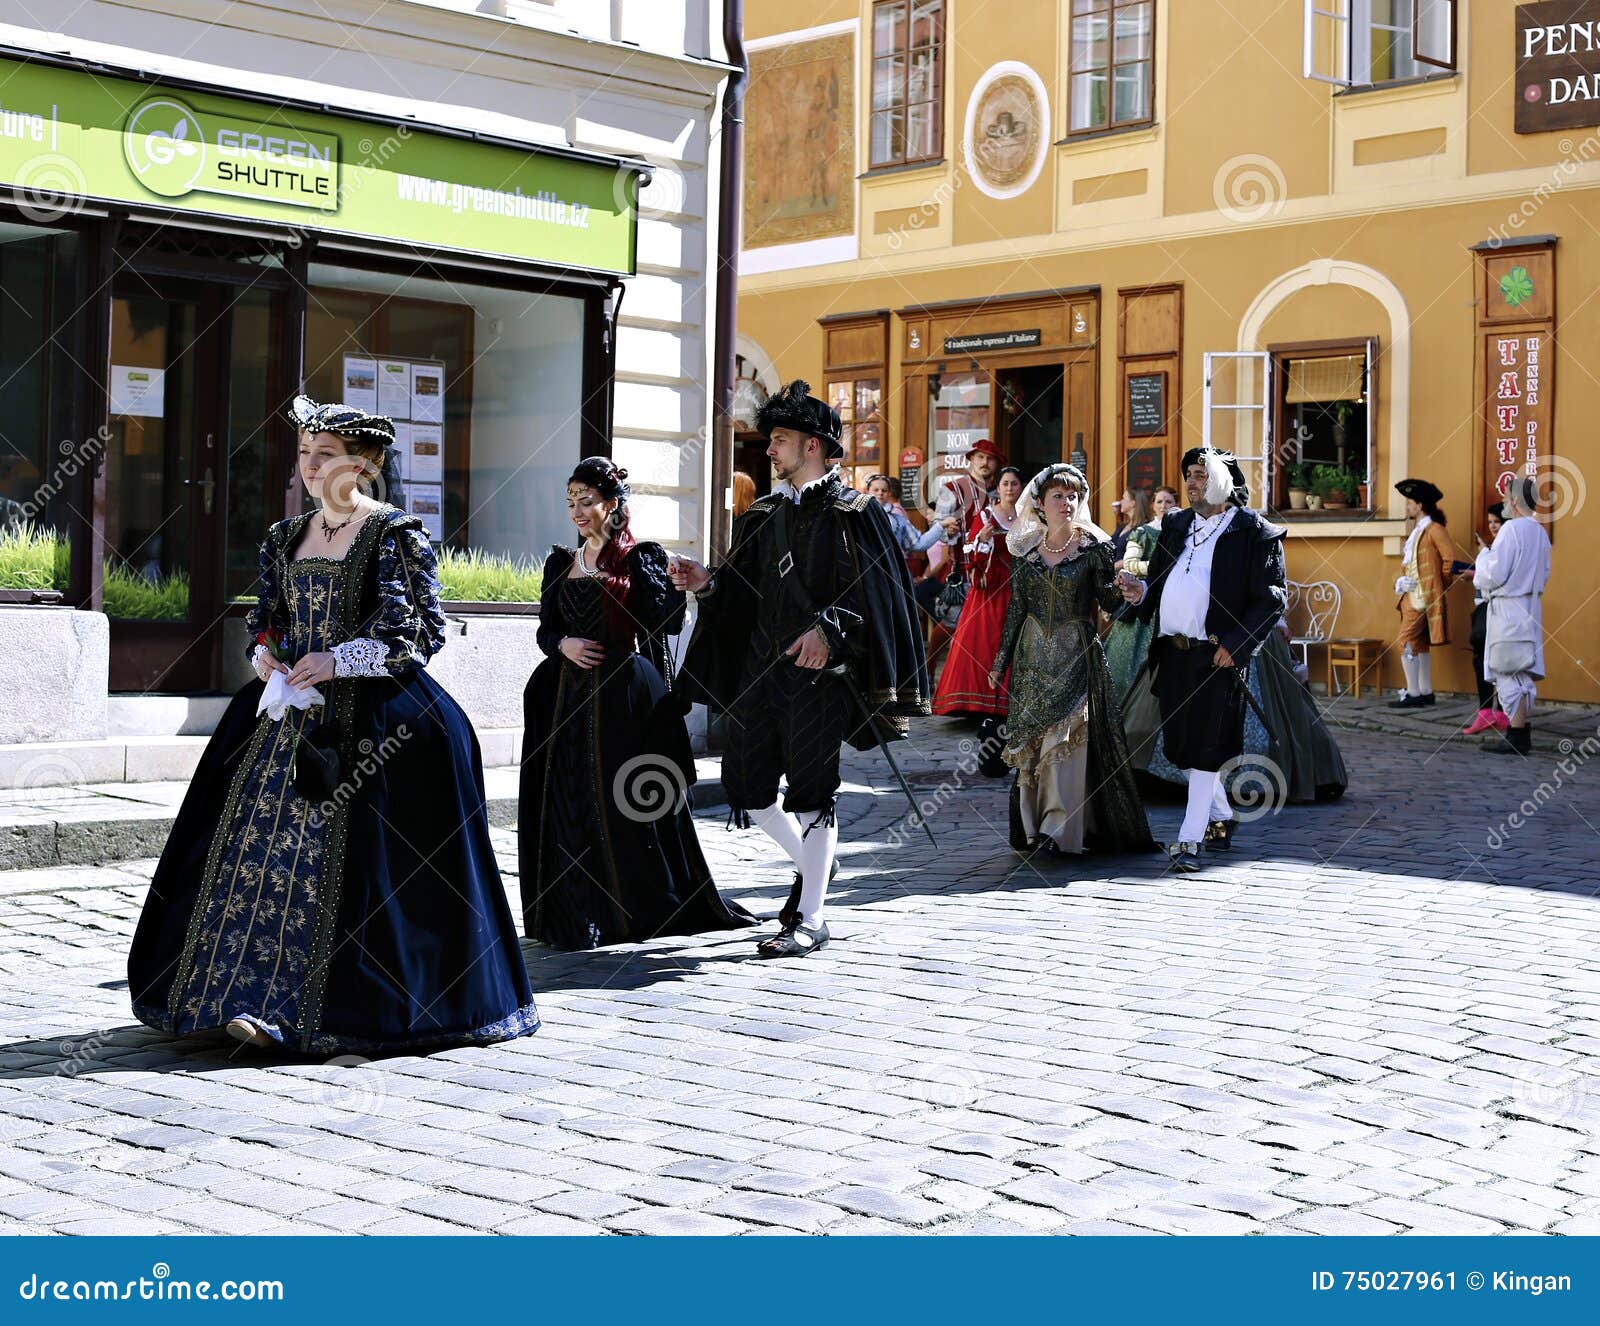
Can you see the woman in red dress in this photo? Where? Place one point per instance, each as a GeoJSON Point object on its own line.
{"type": "Point", "coordinates": [964, 684]}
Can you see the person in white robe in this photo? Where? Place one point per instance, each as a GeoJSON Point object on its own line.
{"type": "Point", "coordinates": [1512, 575]}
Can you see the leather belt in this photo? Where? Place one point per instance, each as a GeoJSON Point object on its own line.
{"type": "Point", "coordinates": [1189, 642]}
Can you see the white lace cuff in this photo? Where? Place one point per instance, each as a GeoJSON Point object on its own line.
{"type": "Point", "coordinates": [363, 657]}
{"type": "Point", "coordinates": [256, 656]}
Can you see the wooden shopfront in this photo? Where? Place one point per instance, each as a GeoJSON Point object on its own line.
{"type": "Point", "coordinates": [1020, 369]}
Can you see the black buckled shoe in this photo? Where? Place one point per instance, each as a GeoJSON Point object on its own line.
{"type": "Point", "coordinates": [1219, 835]}
{"type": "Point", "coordinates": [1513, 741]}
{"type": "Point", "coordinates": [789, 913]}
{"type": "Point", "coordinates": [1183, 858]}
{"type": "Point", "coordinates": [794, 941]}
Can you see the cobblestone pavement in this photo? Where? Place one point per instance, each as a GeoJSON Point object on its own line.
{"type": "Point", "coordinates": [1368, 1019]}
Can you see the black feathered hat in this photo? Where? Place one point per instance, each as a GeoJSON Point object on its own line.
{"type": "Point", "coordinates": [795, 407]}
{"type": "Point", "coordinates": [1420, 490]}
{"type": "Point", "coordinates": [344, 420]}
{"type": "Point", "coordinates": [1240, 495]}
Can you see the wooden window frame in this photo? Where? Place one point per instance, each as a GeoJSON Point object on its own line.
{"type": "Point", "coordinates": [1371, 349]}
{"type": "Point", "coordinates": [904, 104]}
{"type": "Point", "coordinates": [1112, 124]}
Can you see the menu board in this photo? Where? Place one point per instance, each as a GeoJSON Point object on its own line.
{"type": "Point", "coordinates": [1147, 405]}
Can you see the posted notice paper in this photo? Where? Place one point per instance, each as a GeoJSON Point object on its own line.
{"type": "Point", "coordinates": [427, 454]}
{"type": "Point", "coordinates": [427, 501]}
{"type": "Point", "coordinates": [394, 388]}
{"type": "Point", "coordinates": [138, 391]}
{"type": "Point", "coordinates": [427, 393]}
{"type": "Point", "coordinates": [361, 383]}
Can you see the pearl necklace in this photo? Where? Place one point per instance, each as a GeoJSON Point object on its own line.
{"type": "Point", "coordinates": [1055, 551]}
{"type": "Point", "coordinates": [583, 566]}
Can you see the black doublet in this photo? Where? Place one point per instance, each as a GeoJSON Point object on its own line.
{"type": "Point", "coordinates": [787, 722]}
{"type": "Point", "coordinates": [1202, 706]}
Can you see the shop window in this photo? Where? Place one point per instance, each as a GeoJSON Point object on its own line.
{"type": "Point", "coordinates": [960, 414]}
{"type": "Point", "coordinates": [859, 401]}
{"type": "Point", "coordinates": [1113, 63]}
{"type": "Point", "coordinates": [486, 385]}
{"type": "Point", "coordinates": [1364, 43]}
{"type": "Point", "coordinates": [1325, 414]}
{"type": "Point", "coordinates": [42, 460]}
{"type": "Point", "coordinates": [907, 82]}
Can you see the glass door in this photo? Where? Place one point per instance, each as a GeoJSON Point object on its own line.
{"type": "Point", "coordinates": [185, 392]}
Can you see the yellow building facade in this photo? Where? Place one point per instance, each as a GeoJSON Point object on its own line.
{"type": "Point", "coordinates": [1352, 240]}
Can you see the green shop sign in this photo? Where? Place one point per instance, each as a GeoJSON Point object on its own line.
{"type": "Point", "coordinates": [66, 134]}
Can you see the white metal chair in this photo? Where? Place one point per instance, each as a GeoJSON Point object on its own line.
{"type": "Point", "coordinates": [1312, 613]}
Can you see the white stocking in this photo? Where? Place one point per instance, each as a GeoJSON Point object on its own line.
{"type": "Point", "coordinates": [782, 827]}
{"type": "Point", "coordinates": [1425, 674]}
{"type": "Point", "coordinates": [817, 851]}
{"type": "Point", "coordinates": [1220, 807]}
{"type": "Point", "coordinates": [1408, 661]}
{"type": "Point", "coordinates": [1202, 793]}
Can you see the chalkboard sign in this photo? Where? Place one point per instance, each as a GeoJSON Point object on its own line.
{"type": "Point", "coordinates": [1145, 468]}
{"type": "Point", "coordinates": [1147, 405]}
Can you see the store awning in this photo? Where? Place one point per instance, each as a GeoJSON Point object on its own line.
{"type": "Point", "coordinates": [1336, 378]}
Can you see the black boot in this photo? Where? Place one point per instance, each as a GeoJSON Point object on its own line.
{"type": "Point", "coordinates": [991, 764]}
{"type": "Point", "coordinates": [1019, 839]}
{"type": "Point", "coordinates": [1514, 741]}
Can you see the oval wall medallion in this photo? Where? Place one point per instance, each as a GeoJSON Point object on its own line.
{"type": "Point", "coordinates": [1007, 129]}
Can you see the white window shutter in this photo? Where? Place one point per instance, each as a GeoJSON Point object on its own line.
{"type": "Point", "coordinates": [1237, 414]}
{"type": "Point", "coordinates": [1433, 32]}
{"type": "Point", "coordinates": [1327, 41]}
{"type": "Point", "coordinates": [1370, 399]}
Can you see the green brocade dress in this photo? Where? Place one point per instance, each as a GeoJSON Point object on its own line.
{"type": "Point", "coordinates": [1074, 785]}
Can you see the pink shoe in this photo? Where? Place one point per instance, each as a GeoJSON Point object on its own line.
{"type": "Point", "coordinates": [1500, 719]}
{"type": "Point", "coordinates": [1482, 721]}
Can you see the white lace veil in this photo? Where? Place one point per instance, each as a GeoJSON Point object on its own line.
{"type": "Point", "coordinates": [1028, 528]}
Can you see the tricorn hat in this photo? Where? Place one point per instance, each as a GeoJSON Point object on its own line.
{"type": "Point", "coordinates": [1419, 490]}
{"type": "Point", "coordinates": [795, 407]}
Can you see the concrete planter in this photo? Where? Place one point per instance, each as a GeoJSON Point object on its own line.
{"type": "Point", "coordinates": [485, 664]}
{"type": "Point", "coordinates": [56, 663]}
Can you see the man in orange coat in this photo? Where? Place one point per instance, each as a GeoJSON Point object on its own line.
{"type": "Point", "coordinates": [1425, 576]}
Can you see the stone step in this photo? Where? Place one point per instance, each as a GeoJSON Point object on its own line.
{"type": "Point", "coordinates": [156, 759]}
{"type": "Point", "coordinates": [164, 715]}
{"type": "Point", "coordinates": [95, 823]}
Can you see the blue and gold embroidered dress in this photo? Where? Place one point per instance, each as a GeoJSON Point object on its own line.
{"type": "Point", "coordinates": [375, 920]}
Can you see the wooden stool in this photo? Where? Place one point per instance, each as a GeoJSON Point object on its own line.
{"type": "Point", "coordinates": [1354, 656]}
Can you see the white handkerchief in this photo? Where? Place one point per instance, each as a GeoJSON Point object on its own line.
{"type": "Point", "coordinates": [280, 697]}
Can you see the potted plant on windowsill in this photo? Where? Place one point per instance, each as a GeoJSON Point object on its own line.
{"type": "Point", "coordinates": [1361, 494]}
{"type": "Point", "coordinates": [1299, 486]}
{"type": "Point", "coordinates": [1330, 485]}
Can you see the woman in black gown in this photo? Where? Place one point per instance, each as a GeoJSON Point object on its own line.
{"type": "Point", "coordinates": [606, 842]}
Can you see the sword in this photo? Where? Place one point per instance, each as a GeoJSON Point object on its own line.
{"type": "Point", "coordinates": [1249, 695]}
{"type": "Point", "coordinates": [842, 672]}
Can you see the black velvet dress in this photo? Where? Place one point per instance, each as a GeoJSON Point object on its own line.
{"type": "Point", "coordinates": [606, 840]}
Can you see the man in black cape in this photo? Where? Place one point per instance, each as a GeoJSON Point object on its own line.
{"type": "Point", "coordinates": [1216, 587]}
{"type": "Point", "coordinates": [807, 622]}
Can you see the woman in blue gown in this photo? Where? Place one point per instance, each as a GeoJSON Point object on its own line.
{"type": "Point", "coordinates": [329, 883]}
